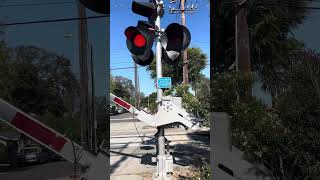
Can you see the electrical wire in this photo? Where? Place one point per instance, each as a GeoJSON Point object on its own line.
{"type": "Point", "coordinates": [134, 122]}
{"type": "Point", "coordinates": [281, 4]}
{"type": "Point", "coordinates": [37, 4]}
{"type": "Point", "coordinates": [123, 68]}
{"type": "Point", "coordinates": [51, 20]}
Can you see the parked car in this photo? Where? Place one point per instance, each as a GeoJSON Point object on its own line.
{"type": "Point", "coordinates": [33, 155]}
{"type": "Point", "coordinates": [120, 110]}
{"type": "Point", "coordinates": [112, 109]}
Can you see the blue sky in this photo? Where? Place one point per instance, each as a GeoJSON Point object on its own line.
{"type": "Point", "coordinates": [308, 31]}
{"type": "Point", "coordinates": [121, 17]}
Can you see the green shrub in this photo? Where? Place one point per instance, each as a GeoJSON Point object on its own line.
{"type": "Point", "coordinates": [203, 172]}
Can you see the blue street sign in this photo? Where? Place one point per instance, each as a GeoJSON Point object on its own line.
{"type": "Point", "coordinates": [164, 82]}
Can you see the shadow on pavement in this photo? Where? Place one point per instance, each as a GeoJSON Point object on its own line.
{"type": "Point", "coordinates": [147, 159]}
{"type": "Point", "coordinates": [114, 166]}
{"type": "Point", "coordinates": [194, 153]}
{"type": "Point", "coordinates": [147, 147]}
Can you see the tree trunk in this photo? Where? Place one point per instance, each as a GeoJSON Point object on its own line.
{"type": "Point", "coordinates": [243, 50]}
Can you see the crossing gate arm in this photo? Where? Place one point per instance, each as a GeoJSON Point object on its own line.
{"type": "Point", "coordinates": [52, 140]}
{"type": "Point", "coordinates": [124, 104]}
{"type": "Point", "coordinates": [140, 115]}
{"type": "Point", "coordinates": [170, 112]}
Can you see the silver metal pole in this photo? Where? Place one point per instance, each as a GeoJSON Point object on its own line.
{"type": "Point", "coordinates": [158, 59]}
{"type": "Point", "coordinates": [161, 139]}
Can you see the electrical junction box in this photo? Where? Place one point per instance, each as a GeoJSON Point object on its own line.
{"type": "Point", "coordinates": [169, 164]}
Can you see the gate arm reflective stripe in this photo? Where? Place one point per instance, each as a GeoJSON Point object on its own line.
{"type": "Point", "coordinates": [124, 104]}
{"type": "Point", "coordinates": [141, 115]}
{"type": "Point", "coordinates": [44, 135]}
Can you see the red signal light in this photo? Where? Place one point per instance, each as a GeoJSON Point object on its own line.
{"type": "Point", "coordinates": [139, 41]}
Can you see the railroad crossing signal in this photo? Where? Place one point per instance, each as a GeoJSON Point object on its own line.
{"type": "Point", "coordinates": [139, 42]}
{"type": "Point", "coordinates": [99, 6]}
{"type": "Point", "coordinates": [146, 9]}
{"type": "Point", "coordinates": [140, 38]}
{"type": "Point", "coordinates": [174, 40]}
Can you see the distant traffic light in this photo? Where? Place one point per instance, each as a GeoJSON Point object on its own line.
{"type": "Point", "coordinates": [174, 40]}
{"type": "Point", "coordinates": [99, 6]}
{"type": "Point", "coordinates": [139, 42]}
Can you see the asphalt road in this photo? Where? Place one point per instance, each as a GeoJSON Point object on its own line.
{"type": "Point", "coordinates": [133, 148]}
{"type": "Point", "coordinates": [49, 171]}
{"type": "Point", "coordinates": [121, 117]}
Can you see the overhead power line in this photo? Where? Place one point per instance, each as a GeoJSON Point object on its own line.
{"type": "Point", "coordinates": [281, 4]}
{"type": "Point", "coordinates": [37, 4]}
{"type": "Point", "coordinates": [286, 5]}
{"type": "Point", "coordinates": [123, 68]}
{"type": "Point", "coordinates": [132, 67]}
{"type": "Point", "coordinates": [51, 20]}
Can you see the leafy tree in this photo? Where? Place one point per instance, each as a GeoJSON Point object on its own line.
{"type": "Point", "coordinates": [150, 102]}
{"type": "Point", "coordinates": [197, 105]}
{"type": "Point", "coordinates": [40, 83]}
{"type": "Point", "coordinates": [197, 62]}
{"type": "Point", "coordinates": [6, 73]}
{"type": "Point", "coordinates": [112, 84]}
{"type": "Point", "coordinates": [285, 138]}
{"type": "Point", "coordinates": [269, 22]}
{"type": "Point", "coordinates": [43, 82]}
{"type": "Point", "coordinates": [123, 88]}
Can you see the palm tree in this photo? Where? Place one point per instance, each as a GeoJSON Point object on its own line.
{"type": "Point", "coordinates": [270, 23]}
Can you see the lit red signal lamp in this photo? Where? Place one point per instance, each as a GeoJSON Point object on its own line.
{"type": "Point", "coordinates": [137, 38]}
{"type": "Point", "coordinates": [139, 41]}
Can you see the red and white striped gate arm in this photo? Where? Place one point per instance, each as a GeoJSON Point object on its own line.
{"type": "Point", "coordinates": [44, 135]}
{"type": "Point", "coordinates": [140, 115]}
{"type": "Point", "coordinates": [124, 104]}
{"type": "Point", "coordinates": [168, 113]}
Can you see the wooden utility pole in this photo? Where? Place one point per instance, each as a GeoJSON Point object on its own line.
{"type": "Point", "coordinates": [243, 63]}
{"type": "Point", "coordinates": [185, 54]}
{"type": "Point", "coordinates": [84, 93]}
{"type": "Point", "coordinates": [93, 122]}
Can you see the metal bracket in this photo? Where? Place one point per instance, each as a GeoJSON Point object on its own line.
{"type": "Point", "coordinates": [171, 111]}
